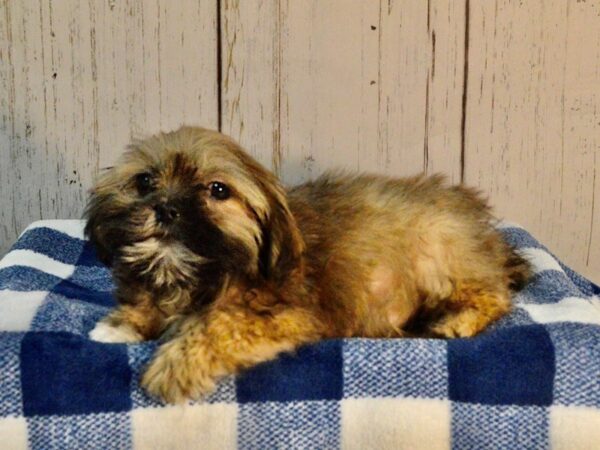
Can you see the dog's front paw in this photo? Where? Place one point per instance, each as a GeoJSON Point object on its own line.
{"type": "Point", "coordinates": [173, 378]}
{"type": "Point", "coordinates": [123, 333]}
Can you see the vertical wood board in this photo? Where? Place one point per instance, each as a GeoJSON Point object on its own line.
{"type": "Point", "coordinates": [532, 119]}
{"type": "Point", "coordinates": [310, 86]}
{"type": "Point", "coordinates": [78, 79]}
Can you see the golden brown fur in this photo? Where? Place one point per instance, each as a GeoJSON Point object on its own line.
{"type": "Point", "coordinates": [240, 279]}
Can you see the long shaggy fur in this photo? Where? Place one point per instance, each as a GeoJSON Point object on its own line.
{"type": "Point", "coordinates": [240, 278]}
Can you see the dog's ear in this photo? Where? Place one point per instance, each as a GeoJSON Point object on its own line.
{"type": "Point", "coordinates": [282, 245]}
{"type": "Point", "coordinates": [95, 212]}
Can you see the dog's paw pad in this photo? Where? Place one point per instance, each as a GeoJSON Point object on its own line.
{"type": "Point", "coordinates": [123, 333]}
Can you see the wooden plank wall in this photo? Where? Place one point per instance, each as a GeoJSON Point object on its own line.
{"type": "Point", "coordinates": [78, 79]}
{"type": "Point", "coordinates": [503, 94]}
{"type": "Point", "coordinates": [533, 120]}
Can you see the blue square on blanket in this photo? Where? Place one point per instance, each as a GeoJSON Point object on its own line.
{"type": "Point", "coordinates": [577, 347]}
{"type": "Point", "coordinates": [63, 374]}
{"type": "Point", "coordinates": [395, 368]}
{"type": "Point", "coordinates": [508, 366]}
{"type": "Point", "coordinates": [91, 282]}
{"type": "Point", "coordinates": [499, 426]}
{"type": "Point", "coordinates": [89, 257]}
{"type": "Point", "coordinates": [26, 279]}
{"type": "Point", "coordinates": [549, 287]}
{"type": "Point", "coordinates": [313, 372]}
{"type": "Point", "coordinates": [314, 424]}
{"type": "Point", "coordinates": [93, 278]}
{"type": "Point", "coordinates": [10, 386]}
{"type": "Point", "coordinates": [52, 243]}
{"type": "Point", "coordinates": [519, 238]}
{"type": "Point", "coordinates": [59, 313]}
{"type": "Point", "coordinates": [70, 289]}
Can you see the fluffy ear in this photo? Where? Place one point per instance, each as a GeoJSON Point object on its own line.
{"type": "Point", "coordinates": [95, 212]}
{"type": "Point", "coordinates": [282, 245]}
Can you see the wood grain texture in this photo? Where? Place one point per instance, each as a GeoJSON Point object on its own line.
{"type": "Point", "coordinates": [533, 119]}
{"type": "Point", "coordinates": [501, 94]}
{"type": "Point", "coordinates": [315, 85]}
{"type": "Point", "coordinates": [250, 49]}
{"type": "Point", "coordinates": [78, 79]}
{"type": "Point", "coordinates": [580, 146]}
{"type": "Point", "coordinates": [443, 134]}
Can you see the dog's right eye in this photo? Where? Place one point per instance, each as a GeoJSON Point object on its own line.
{"type": "Point", "coordinates": [144, 183]}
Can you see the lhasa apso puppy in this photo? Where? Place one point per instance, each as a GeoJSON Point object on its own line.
{"type": "Point", "coordinates": [206, 243]}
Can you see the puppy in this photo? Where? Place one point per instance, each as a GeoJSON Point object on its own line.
{"type": "Point", "coordinates": [206, 243]}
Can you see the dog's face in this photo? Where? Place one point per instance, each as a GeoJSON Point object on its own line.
{"type": "Point", "coordinates": [190, 207]}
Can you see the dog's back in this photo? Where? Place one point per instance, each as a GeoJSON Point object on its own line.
{"type": "Point", "coordinates": [390, 250]}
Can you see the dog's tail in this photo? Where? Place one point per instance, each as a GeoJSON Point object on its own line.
{"type": "Point", "coordinates": [518, 270]}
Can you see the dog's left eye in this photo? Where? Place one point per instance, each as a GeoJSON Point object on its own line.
{"type": "Point", "coordinates": [219, 191]}
{"type": "Point", "coordinates": [144, 183]}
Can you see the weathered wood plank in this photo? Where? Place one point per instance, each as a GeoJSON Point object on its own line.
{"type": "Point", "coordinates": [158, 68]}
{"type": "Point", "coordinates": [78, 79]}
{"type": "Point", "coordinates": [532, 118]}
{"type": "Point", "coordinates": [443, 132]}
{"type": "Point", "coordinates": [307, 86]}
{"type": "Point", "coordinates": [578, 233]}
{"type": "Point", "coordinates": [250, 72]}
{"type": "Point", "coordinates": [404, 66]}
{"type": "Point", "coordinates": [315, 85]}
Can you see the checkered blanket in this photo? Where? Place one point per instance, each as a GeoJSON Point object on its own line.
{"type": "Point", "coordinates": [531, 381]}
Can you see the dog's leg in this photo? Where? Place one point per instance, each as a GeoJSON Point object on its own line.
{"type": "Point", "coordinates": [470, 308]}
{"type": "Point", "coordinates": [221, 343]}
{"type": "Point", "coordinates": [129, 324]}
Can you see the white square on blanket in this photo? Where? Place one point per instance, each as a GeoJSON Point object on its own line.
{"type": "Point", "coordinates": [574, 428]}
{"type": "Point", "coordinates": [540, 259]}
{"type": "Point", "coordinates": [202, 425]}
{"type": "Point", "coordinates": [17, 309]}
{"type": "Point", "coordinates": [389, 423]}
{"type": "Point", "coordinates": [13, 433]}
{"type": "Point", "coordinates": [569, 309]}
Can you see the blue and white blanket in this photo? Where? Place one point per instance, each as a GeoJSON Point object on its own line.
{"type": "Point", "coordinates": [531, 381]}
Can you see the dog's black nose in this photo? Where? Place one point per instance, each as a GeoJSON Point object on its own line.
{"type": "Point", "coordinates": [165, 213]}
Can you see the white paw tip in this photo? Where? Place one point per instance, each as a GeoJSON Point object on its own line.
{"type": "Point", "coordinates": [104, 332]}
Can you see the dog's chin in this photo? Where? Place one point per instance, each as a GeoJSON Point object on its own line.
{"type": "Point", "coordinates": [162, 260]}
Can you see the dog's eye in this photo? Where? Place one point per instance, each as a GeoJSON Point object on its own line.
{"type": "Point", "coordinates": [219, 190]}
{"type": "Point", "coordinates": [144, 183]}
